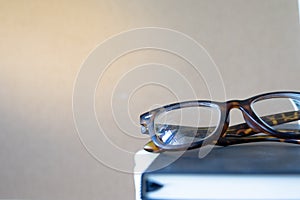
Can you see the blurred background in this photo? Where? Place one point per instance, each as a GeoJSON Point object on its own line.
{"type": "Point", "coordinates": [43, 45]}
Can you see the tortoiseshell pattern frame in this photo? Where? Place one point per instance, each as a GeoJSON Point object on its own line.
{"type": "Point", "coordinates": [225, 135]}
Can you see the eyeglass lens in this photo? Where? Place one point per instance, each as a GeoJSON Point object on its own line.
{"type": "Point", "coordinates": [186, 125]}
{"type": "Point", "coordinates": [283, 112]}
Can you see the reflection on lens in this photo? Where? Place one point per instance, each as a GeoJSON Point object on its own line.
{"type": "Point", "coordinates": [281, 114]}
{"type": "Point", "coordinates": [186, 125]}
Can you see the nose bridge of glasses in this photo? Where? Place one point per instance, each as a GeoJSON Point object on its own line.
{"type": "Point", "coordinates": [235, 116]}
{"type": "Point", "coordinates": [235, 104]}
{"type": "Point", "coordinates": [228, 107]}
{"type": "Point", "coordinates": [244, 107]}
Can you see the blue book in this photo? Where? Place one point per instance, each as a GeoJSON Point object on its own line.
{"type": "Point", "coordinates": [248, 171]}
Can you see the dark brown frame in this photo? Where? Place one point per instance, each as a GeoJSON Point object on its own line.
{"type": "Point", "coordinates": [225, 135]}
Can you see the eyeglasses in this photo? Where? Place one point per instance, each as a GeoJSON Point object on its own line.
{"type": "Point", "coordinates": [187, 125]}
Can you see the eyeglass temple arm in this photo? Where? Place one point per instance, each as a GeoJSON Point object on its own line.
{"type": "Point", "coordinates": [276, 119]}
{"type": "Point", "coordinates": [151, 147]}
{"type": "Point", "coordinates": [226, 141]}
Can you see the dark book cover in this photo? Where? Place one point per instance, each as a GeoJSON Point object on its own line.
{"type": "Point", "coordinates": [247, 159]}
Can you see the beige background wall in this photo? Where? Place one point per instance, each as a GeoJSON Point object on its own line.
{"type": "Point", "coordinates": [255, 45]}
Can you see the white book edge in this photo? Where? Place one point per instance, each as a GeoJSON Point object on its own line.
{"type": "Point", "coordinates": [142, 161]}
{"type": "Point", "coordinates": [226, 187]}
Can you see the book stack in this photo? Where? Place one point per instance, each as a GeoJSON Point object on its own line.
{"type": "Point", "coordinates": [248, 171]}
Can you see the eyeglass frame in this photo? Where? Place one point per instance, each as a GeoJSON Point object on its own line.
{"type": "Point", "coordinates": [254, 124]}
